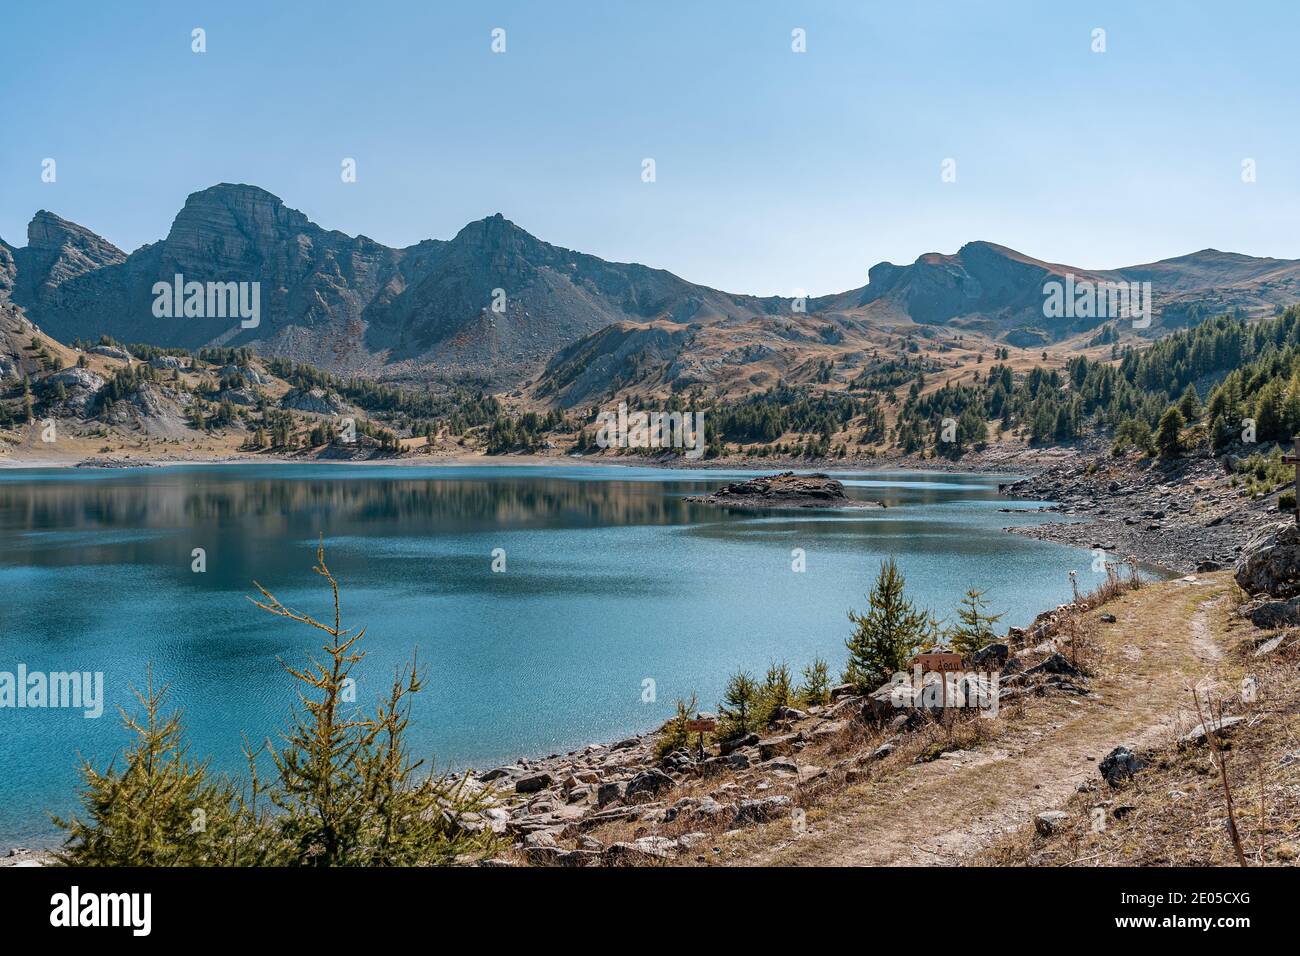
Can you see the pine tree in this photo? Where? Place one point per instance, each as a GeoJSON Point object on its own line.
{"type": "Point", "coordinates": [1190, 404]}
{"type": "Point", "coordinates": [349, 791]}
{"type": "Point", "coordinates": [155, 805]}
{"type": "Point", "coordinates": [737, 708]}
{"type": "Point", "coordinates": [887, 635]}
{"type": "Point", "coordinates": [816, 686]}
{"type": "Point", "coordinates": [1169, 433]}
{"type": "Point", "coordinates": [976, 628]}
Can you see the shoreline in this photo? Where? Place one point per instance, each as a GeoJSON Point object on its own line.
{"type": "Point", "coordinates": [1057, 485]}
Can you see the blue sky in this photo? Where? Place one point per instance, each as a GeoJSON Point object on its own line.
{"type": "Point", "coordinates": [776, 171]}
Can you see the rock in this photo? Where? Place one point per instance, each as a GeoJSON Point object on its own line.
{"type": "Point", "coordinates": [111, 351]}
{"type": "Point", "coordinates": [884, 750]}
{"type": "Point", "coordinates": [533, 783]}
{"type": "Point", "coordinates": [1205, 567]}
{"type": "Point", "coordinates": [81, 386]}
{"type": "Point", "coordinates": [609, 792]}
{"type": "Point", "coordinates": [832, 728]}
{"type": "Point", "coordinates": [841, 690]}
{"type": "Point", "coordinates": [783, 765]}
{"type": "Point", "coordinates": [647, 849]}
{"type": "Point", "coordinates": [1055, 663]}
{"type": "Point", "coordinates": [1271, 562]}
{"type": "Point", "coordinates": [1270, 614]}
{"type": "Point", "coordinates": [788, 713]}
{"type": "Point", "coordinates": [1049, 821]}
{"type": "Point", "coordinates": [1107, 618]}
{"type": "Point", "coordinates": [757, 811]}
{"type": "Point", "coordinates": [315, 400]}
{"type": "Point", "coordinates": [539, 838]}
{"type": "Point", "coordinates": [777, 746]}
{"type": "Point", "coordinates": [991, 656]}
{"type": "Point", "coordinates": [1120, 765]}
{"type": "Point", "coordinates": [735, 743]}
{"type": "Point", "coordinates": [647, 784]}
{"type": "Point", "coordinates": [555, 856]}
{"type": "Point", "coordinates": [1218, 727]}
{"type": "Point", "coordinates": [786, 490]}
{"type": "Point", "coordinates": [1269, 646]}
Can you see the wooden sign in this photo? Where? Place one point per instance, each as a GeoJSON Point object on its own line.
{"type": "Point", "coordinates": [700, 726]}
{"type": "Point", "coordinates": [937, 663]}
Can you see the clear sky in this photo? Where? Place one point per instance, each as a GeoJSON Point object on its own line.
{"type": "Point", "coordinates": [775, 170]}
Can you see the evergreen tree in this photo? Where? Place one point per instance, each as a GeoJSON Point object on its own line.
{"type": "Point", "coordinates": [975, 629]}
{"type": "Point", "coordinates": [887, 635]}
{"type": "Point", "coordinates": [1169, 433]}
{"type": "Point", "coordinates": [816, 686]}
{"type": "Point", "coordinates": [739, 700]}
{"type": "Point", "coordinates": [1190, 404]}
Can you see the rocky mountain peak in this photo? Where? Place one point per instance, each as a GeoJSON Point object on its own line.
{"type": "Point", "coordinates": [50, 233]}
{"type": "Point", "coordinates": [233, 222]}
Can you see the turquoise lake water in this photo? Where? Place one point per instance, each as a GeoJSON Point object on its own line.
{"type": "Point", "coordinates": [611, 579]}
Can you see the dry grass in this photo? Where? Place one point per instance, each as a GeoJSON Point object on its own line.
{"type": "Point", "coordinates": [1173, 813]}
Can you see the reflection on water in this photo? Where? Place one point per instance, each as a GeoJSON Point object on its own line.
{"type": "Point", "coordinates": [611, 578]}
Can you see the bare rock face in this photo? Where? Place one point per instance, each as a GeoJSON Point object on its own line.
{"type": "Point", "coordinates": [81, 385]}
{"type": "Point", "coordinates": [58, 250]}
{"type": "Point", "coordinates": [786, 490]}
{"type": "Point", "coordinates": [1271, 563]}
{"type": "Point", "coordinates": [316, 400]}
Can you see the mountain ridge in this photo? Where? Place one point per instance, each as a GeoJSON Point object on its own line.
{"type": "Point", "coordinates": [497, 303]}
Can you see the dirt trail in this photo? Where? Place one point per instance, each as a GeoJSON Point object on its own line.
{"type": "Point", "coordinates": [943, 812]}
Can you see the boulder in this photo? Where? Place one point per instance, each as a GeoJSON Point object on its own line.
{"type": "Point", "coordinates": [1270, 564]}
{"type": "Point", "coordinates": [609, 792]}
{"type": "Point", "coordinates": [1270, 614]}
{"type": "Point", "coordinates": [757, 811]}
{"type": "Point", "coordinates": [111, 351]}
{"type": "Point", "coordinates": [647, 784]}
{"type": "Point", "coordinates": [533, 783]}
{"type": "Point", "coordinates": [991, 656]}
{"type": "Point", "coordinates": [735, 743]}
{"type": "Point", "coordinates": [777, 746]}
{"type": "Point", "coordinates": [1218, 726]}
{"type": "Point", "coordinates": [1049, 821]}
{"type": "Point", "coordinates": [1120, 765]}
{"type": "Point", "coordinates": [647, 849]}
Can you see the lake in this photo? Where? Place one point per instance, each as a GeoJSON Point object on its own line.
{"type": "Point", "coordinates": [611, 580]}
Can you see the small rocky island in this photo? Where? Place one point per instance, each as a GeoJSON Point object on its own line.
{"type": "Point", "coordinates": [786, 490]}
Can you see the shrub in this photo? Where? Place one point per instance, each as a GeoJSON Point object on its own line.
{"type": "Point", "coordinates": [674, 735]}
{"type": "Point", "coordinates": [816, 686]}
{"type": "Point", "coordinates": [739, 701]}
{"type": "Point", "coordinates": [777, 692]}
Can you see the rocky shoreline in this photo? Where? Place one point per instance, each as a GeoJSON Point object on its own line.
{"type": "Point", "coordinates": [1183, 515]}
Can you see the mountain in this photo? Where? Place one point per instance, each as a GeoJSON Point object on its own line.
{"type": "Point", "coordinates": [991, 288]}
{"type": "Point", "coordinates": [350, 304]}
{"type": "Point", "coordinates": [497, 304]}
